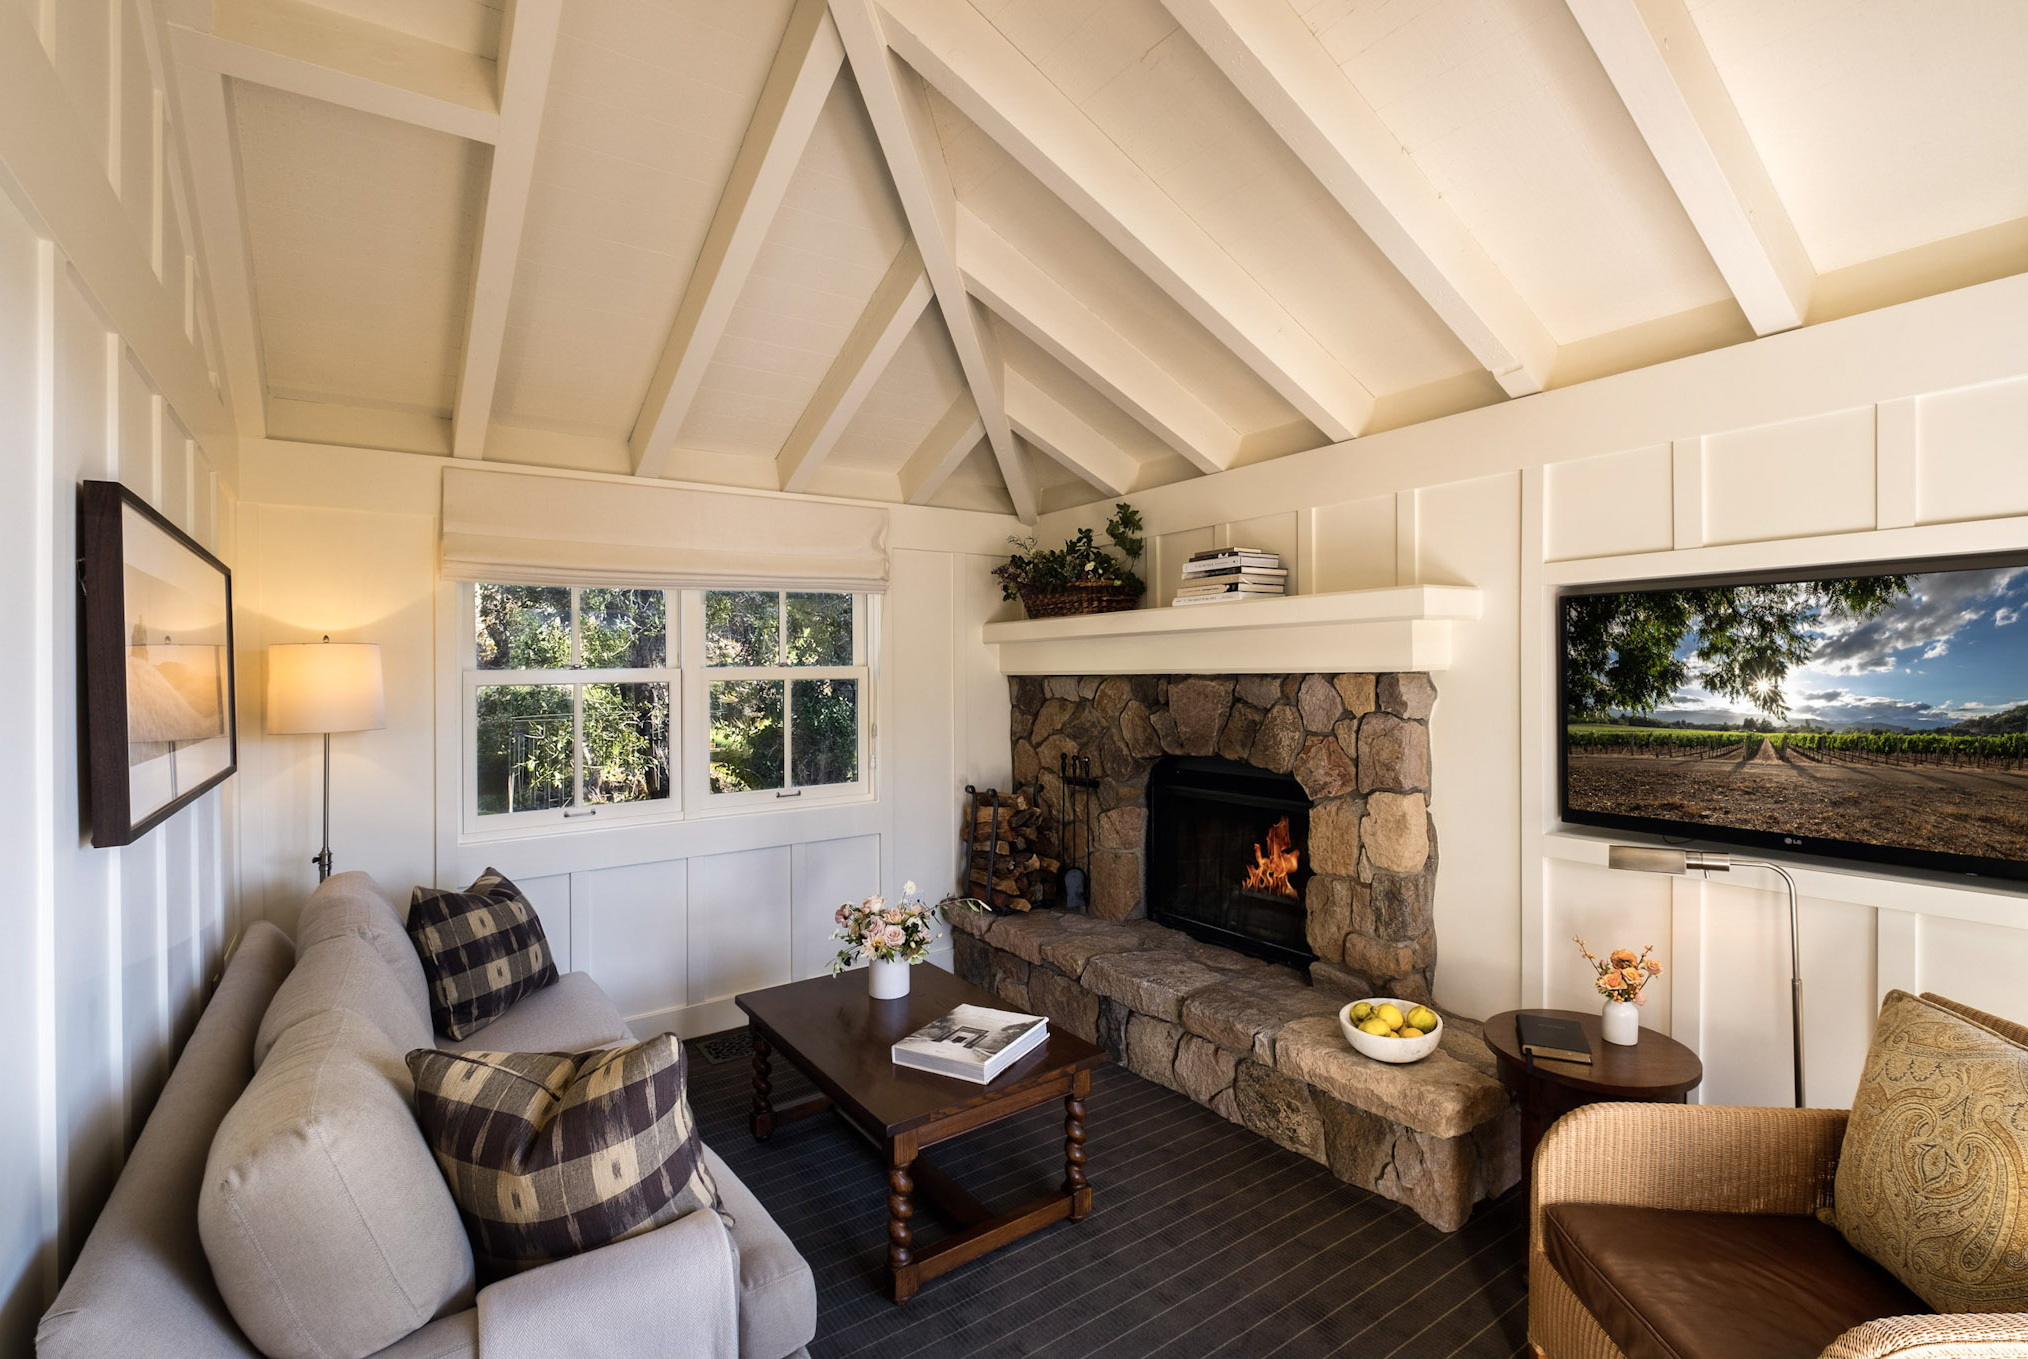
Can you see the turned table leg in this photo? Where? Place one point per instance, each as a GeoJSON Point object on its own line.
{"type": "Point", "coordinates": [1074, 1182]}
{"type": "Point", "coordinates": [903, 1272]}
{"type": "Point", "coordinates": [762, 1119]}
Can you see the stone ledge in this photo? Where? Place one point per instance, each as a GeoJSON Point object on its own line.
{"type": "Point", "coordinates": [1438, 1095]}
{"type": "Point", "coordinates": [1260, 1046]}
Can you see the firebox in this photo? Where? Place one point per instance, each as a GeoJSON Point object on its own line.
{"type": "Point", "coordinates": [1228, 855]}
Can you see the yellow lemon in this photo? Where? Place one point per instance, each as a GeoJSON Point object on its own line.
{"type": "Point", "coordinates": [1409, 1031]}
{"type": "Point", "coordinates": [1376, 1026]}
{"type": "Point", "coordinates": [1422, 1017]}
{"type": "Point", "coordinates": [1389, 1016]}
{"type": "Point", "coordinates": [1362, 1012]}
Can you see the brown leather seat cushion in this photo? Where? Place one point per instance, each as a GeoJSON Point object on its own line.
{"type": "Point", "coordinates": [1667, 1284]}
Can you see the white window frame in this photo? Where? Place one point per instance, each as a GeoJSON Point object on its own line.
{"type": "Point", "coordinates": [689, 681]}
{"type": "Point", "coordinates": [697, 772]}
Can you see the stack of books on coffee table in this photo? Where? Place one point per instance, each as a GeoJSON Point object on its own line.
{"type": "Point", "coordinates": [1226, 575]}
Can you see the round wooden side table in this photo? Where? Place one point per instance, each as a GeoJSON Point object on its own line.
{"type": "Point", "coordinates": [1657, 1070]}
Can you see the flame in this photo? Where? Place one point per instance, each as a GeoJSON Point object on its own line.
{"type": "Point", "coordinates": [1271, 870]}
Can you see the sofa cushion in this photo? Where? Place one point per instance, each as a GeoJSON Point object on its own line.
{"type": "Point", "coordinates": [777, 1292]}
{"type": "Point", "coordinates": [1669, 1284]}
{"type": "Point", "coordinates": [344, 972]}
{"type": "Point", "coordinates": [572, 1016]}
{"type": "Point", "coordinates": [482, 949]}
{"type": "Point", "coordinates": [552, 1154]}
{"type": "Point", "coordinates": [139, 1288]}
{"type": "Point", "coordinates": [353, 904]}
{"type": "Point", "coordinates": [1930, 1180]}
{"type": "Point", "coordinates": [328, 1229]}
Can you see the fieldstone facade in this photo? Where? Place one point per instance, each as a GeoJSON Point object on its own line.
{"type": "Point", "coordinates": [1261, 1046]}
{"type": "Point", "coordinates": [1358, 744]}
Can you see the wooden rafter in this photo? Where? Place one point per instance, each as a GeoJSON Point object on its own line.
{"type": "Point", "coordinates": [896, 305]}
{"type": "Point", "coordinates": [957, 50]}
{"type": "Point", "coordinates": [1281, 69]}
{"type": "Point", "coordinates": [805, 68]}
{"type": "Point", "coordinates": [1024, 295]}
{"type": "Point", "coordinates": [316, 52]}
{"type": "Point", "coordinates": [527, 48]}
{"type": "Point", "coordinates": [1665, 76]}
{"type": "Point", "coordinates": [942, 451]}
{"type": "Point", "coordinates": [1064, 437]}
{"type": "Point", "coordinates": [898, 107]}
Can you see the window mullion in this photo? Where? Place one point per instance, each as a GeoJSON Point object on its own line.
{"type": "Point", "coordinates": [577, 750]}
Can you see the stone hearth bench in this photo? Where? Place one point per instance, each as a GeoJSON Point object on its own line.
{"type": "Point", "coordinates": [1260, 1045]}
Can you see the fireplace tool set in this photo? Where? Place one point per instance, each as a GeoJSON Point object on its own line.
{"type": "Point", "coordinates": [1074, 827]}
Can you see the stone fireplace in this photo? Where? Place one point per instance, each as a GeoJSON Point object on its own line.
{"type": "Point", "coordinates": [1353, 753]}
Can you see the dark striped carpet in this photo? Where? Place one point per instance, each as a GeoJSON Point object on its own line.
{"type": "Point", "coordinates": [1204, 1240]}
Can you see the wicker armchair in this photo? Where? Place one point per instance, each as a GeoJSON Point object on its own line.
{"type": "Point", "coordinates": [1723, 1160]}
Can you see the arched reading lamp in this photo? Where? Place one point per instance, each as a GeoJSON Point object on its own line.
{"type": "Point", "coordinates": [1642, 859]}
{"type": "Point", "coordinates": [317, 688]}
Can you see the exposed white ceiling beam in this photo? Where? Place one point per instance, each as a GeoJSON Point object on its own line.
{"type": "Point", "coordinates": [1665, 76]}
{"type": "Point", "coordinates": [967, 59]}
{"type": "Point", "coordinates": [1281, 69]}
{"type": "Point", "coordinates": [942, 451]}
{"type": "Point", "coordinates": [527, 48]}
{"type": "Point", "coordinates": [805, 67]}
{"type": "Point", "coordinates": [898, 107]}
{"type": "Point", "coordinates": [222, 240]}
{"type": "Point", "coordinates": [1064, 437]}
{"type": "Point", "coordinates": [896, 305]}
{"type": "Point", "coordinates": [316, 52]}
{"type": "Point", "coordinates": [1027, 298]}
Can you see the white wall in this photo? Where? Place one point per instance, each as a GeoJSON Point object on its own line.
{"type": "Point", "coordinates": [1901, 433]}
{"type": "Point", "coordinates": [672, 918]}
{"type": "Point", "coordinates": [104, 954]}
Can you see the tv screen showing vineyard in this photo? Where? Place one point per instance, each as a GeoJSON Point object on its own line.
{"type": "Point", "coordinates": [1881, 716]}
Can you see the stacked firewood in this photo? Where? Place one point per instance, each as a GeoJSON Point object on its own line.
{"type": "Point", "coordinates": [1008, 866]}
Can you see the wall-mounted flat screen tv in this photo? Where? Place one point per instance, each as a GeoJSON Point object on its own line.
{"type": "Point", "coordinates": [1879, 715]}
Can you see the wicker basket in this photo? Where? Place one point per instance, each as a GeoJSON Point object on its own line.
{"type": "Point", "coordinates": [1080, 597]}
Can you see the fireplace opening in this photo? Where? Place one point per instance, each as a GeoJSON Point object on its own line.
{"type": "Point", "coordinates": [1228, 855]}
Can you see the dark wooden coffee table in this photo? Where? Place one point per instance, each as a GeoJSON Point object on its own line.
{"type": "Point", "coordinates": [1658, 1069]}
{"type": "Point", "coordinates": [833, 1032]}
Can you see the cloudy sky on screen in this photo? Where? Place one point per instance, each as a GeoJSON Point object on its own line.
{"type": "Point", "coordinates": [1954, 647]}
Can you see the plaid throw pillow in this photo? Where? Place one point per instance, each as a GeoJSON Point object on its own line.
{"type": "Point", "coordinates": [550, 1154]}
{"type": "Point", "coordinates": [482, 949]}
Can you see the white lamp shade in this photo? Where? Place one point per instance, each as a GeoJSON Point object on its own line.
{"type": "Point", "coordinates": [324, 687]}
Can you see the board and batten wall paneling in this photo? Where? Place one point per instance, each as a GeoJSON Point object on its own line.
{"type": "Point", "coordinates": [108, 951]}
{"type": "Point", "coordinates": [1903, 436]}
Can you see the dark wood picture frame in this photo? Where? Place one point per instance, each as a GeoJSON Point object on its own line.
{"type": "Point", "coordinates": [108, 644]}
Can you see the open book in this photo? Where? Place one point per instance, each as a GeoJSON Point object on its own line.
{"type": "Point", "coordinates": [972, 1043]}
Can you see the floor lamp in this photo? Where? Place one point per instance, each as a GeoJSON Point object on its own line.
{"type": "Point", "coordinates": [1642, 859]}
{"type": "Point", "coordinates": [317, 688]}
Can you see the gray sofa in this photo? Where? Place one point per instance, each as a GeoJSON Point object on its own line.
{"type": "Point", "coordinates": [143, 1284]}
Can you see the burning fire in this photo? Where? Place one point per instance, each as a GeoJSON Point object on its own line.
{"type": "Point", "coordinates": [1272, 869]}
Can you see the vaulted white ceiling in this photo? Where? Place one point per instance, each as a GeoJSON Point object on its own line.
{"type": "Point", "coordinates": [1019, 254]}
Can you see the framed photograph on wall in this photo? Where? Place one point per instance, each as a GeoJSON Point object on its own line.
{"type": "Point", "coordinates": [157, 620]}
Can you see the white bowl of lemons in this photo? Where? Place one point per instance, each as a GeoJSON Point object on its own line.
{"type": "Point", "coordinates": [1391, 1030]}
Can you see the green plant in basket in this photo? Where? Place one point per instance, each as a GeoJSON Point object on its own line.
{"type": "Point", "coordinates": [1082, 561]}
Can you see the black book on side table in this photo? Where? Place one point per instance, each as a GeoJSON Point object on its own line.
{"type": "Point", "coordinates": [1547, 1036]}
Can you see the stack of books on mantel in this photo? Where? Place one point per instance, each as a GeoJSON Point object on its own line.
{"type": "Point", "coordinates": [1225, 575]}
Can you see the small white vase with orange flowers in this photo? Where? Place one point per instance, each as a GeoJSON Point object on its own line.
{"type": "Point", "coordinates": [1622, 975]}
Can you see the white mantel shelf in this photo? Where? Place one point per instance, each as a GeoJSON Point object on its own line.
{"type": "Point", "coordinates": [1407, 627]}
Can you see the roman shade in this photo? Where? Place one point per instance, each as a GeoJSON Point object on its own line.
{"type": "Point", "coordinates": [513, 529]}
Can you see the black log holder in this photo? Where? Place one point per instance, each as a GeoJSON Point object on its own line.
{"type": "Point", "coordinates": [1074, 827]}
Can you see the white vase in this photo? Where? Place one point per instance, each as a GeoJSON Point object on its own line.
{"type": "Point", "coordinates": [885, 980]}
{"type": "Point", "coordinates": [1619, 1022]}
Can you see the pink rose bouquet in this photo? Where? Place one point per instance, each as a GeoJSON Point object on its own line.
{"type": "Point", "coordinates": [902, 932]}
